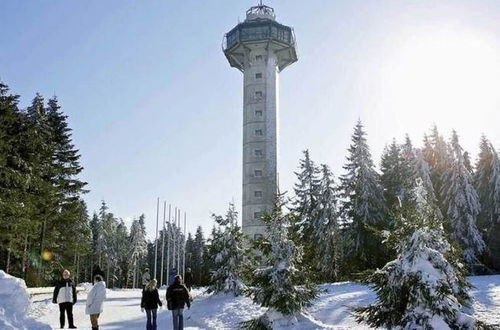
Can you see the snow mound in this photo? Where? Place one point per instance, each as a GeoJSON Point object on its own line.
{"type": "Point", "coordinates": [302, 321]}
{"type": "Point", "coordinates": [15, 304]}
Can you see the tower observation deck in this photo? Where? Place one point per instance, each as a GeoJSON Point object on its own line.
{"type": "Point", "coordinates": [261, 48]}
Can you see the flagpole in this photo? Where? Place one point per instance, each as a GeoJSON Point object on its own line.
{"type": "Point", "coordinates": [184, 250]}
{"type": "Point", "coordinates": [163, 243]}
{"type": "Point", "coordinates": [156, 238]}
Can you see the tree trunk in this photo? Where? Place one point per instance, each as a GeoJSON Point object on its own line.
{"type": "Point", "coordinates": [25, 255]}
{"type": "Point", "coordinates": [7, 266]}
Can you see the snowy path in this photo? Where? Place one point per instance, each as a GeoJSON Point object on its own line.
{"type": "Point", "coordinates": [122, 308]}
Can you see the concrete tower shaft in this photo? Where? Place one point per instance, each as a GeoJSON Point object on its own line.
{"type": "Point", "coordinates": [260, 48]}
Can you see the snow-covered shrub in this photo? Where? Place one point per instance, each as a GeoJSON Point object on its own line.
{"type": "Point", "coordinates": [227, 247]}
{"type": "Point", "coordinates": [279, 284]}
{"type": "Point", "coordinates": [421, 288]}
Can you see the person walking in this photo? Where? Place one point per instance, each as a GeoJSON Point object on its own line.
{"type": "Point", "coordinates": [150, 302]}
{"type": "Point", "coordinates": [65, 296]}
{"type": "Point", "coordinates": [95, 300]}
{"type": "Point", "coordinates": [146, 277]}
{"type": "Point", "coordinates": [97, 271]}
{"type": "Point", "coordinates": [188, 279]}
{"type": "Point", "coordinates": [171, 276]}
{"type": "Point", "coordinates": [177, 297]}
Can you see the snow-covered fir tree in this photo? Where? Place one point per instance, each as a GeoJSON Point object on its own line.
{"type": "Point", "coordinates": [393, 179]}
{"type": "Point", "coordinates": [279, 283]}
{"type": "Point", "coordinates": [229, 255]}
{"type": "Point", "coordinates": [436, 153]}
{"type": "Point", "coordinates": [327, 241]}
{"type": "Point", "coordinates": [422, 172]}
{"type": "Point", "coordinates": [487, 184]}
{"type": "Point", "coordinates": [425, 286]}
{"type": "Point", "coordinates": [138, 249]}
{"type": "Point", "coordinates": [462, 204]}
{"type": "Point", "coordinates": [363, 205]}
{"type": "Point", "coordinates": [307, 191]}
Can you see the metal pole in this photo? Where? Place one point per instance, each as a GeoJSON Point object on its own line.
{"type": "Point", "coordinates": [184, 249]}
{"type": "Point", "coordinates": [156, 237]}
{"type": "Point", "coordinates": [163, 243]}
{"type": "Point", "coordinates": [169, 231]}
{"type": "Point", "coordinates": [179, 243]}
{"type": "Point", "coordinates": [174, 234]}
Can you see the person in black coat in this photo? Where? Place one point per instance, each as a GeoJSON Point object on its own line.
{"type": "Point", "coordinates": [150, 301]}
{"type": "Point", "coordinates": [97, 271]}
{"type": "Point", "coordinates": [65, 296]}
{"type": "Point", "coordinates": [177, 297]}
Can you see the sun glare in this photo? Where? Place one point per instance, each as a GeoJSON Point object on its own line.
{"type": "Point", "coordinates": [445, 77]}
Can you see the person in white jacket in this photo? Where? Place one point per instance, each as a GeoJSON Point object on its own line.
{"type": "Point", "coordinates": [95, 300]}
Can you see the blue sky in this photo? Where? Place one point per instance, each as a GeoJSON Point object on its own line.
{"type": "Point", "coordinates": [157, 111]}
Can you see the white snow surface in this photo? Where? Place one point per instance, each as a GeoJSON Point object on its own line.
{"type": "Point", "coordinates": [331, 310]}
{"type": "Point", "coordinates": [15, 304]}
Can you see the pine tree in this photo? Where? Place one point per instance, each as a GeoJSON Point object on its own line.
{"type": "Point", "coordinates": [422, 172]}
{"type": "Point", "coordinates": [229, 255]}
{"type": "Point", "coordinates": [326, 236]}
{"type": "Point", "coordinates": [306, 196]}
{"type": "Point", "coordinates": [392, 178]}
{"type": "Point", "coordinates": [197, 258]}
{"type": "Point", "coordinates": [138, 248]}
{"type": "Point", "coordinates": [462, 205]}
{"type": "Point", "coordinates": [423, 288]}
{"type": "Point", "coordinates": [279, 284]}
{"type": "Point", "coordinates": [15, 223]}
{"type": "Point", "coordinates": [306, 207]}
{"type": "Point", "coordinates": [437, 155]}
{"type": "Point", "coordinates": [487, 184]}
{"type": "Point", "coordinates": [363, 205]}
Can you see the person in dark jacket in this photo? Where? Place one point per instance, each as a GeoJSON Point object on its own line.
{"type": "Point", "coordinates": [65, 296]}
{"type": "Point", "coordinates": [177, 297]}
{"type": "Point", "coordinates": [188, 279]}
{"type": "Point", "coordinates": [150, 302]}
{"type": "Point", "coordinates": [171, 276]}
{"type": "Point", "coordinates": [97, 271]}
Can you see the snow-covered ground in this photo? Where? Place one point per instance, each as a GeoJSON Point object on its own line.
{"type": "Point", "coordinates": [332, 307]}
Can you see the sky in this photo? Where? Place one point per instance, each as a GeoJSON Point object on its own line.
{"type": "Point", "coordinates": [156, 110]}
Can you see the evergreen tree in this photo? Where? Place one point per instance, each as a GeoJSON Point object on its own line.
{"type": "Point", "coordinates": [306, 207]}
{"type": "Point", "coordinates": [14, 216]}
{"type": "Point", "coordinates": [437, 155]}
{"type": "Point", "coordinates": [392, 178]}
{"type": "Point", "coordinates": [279, 284]}
{"type": "Point", "coordinates": [306, 196]}
{"type": "Point", "coordinates": [197, 258]}
{"type": "Point", "coordinates": [363, 205]}
{"type": "Point", "coordinates": [423, 288]}
{"type": "Point", "coordinates": [138, 249]}
{"type": "Point", "coordinates": [229, 255]}
{"type": "Point", "coordinates": [462, 205]}
{"type": "Point", "coordinates": [422, 172]}
{"type": "Point", "coordinates": [327, 240]}
{"type": "Point", "coordinates": [487, 184]}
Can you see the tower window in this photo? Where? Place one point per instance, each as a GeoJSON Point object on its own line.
{"type": "Point", "coordinates": [257, 215]}
{"type": "Point", "coordinates": [257, 193]}
{"type": "Point", "coordinates": [258, 152]}
{"type": "Point", "coordinates": [258, 132]}
{"type": "Point", "coordinates": [258, 94]}
{"type": "Point", "coordinates": [258, 58]}
{"type": "Point", "coordinates": [258, 75]}
{"type": "Point", "coordinates": [257, 236]}
{"type": "Point", "coordinates": [258, 173]}
{"type": "Point", "coordinates": [258, 113]}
